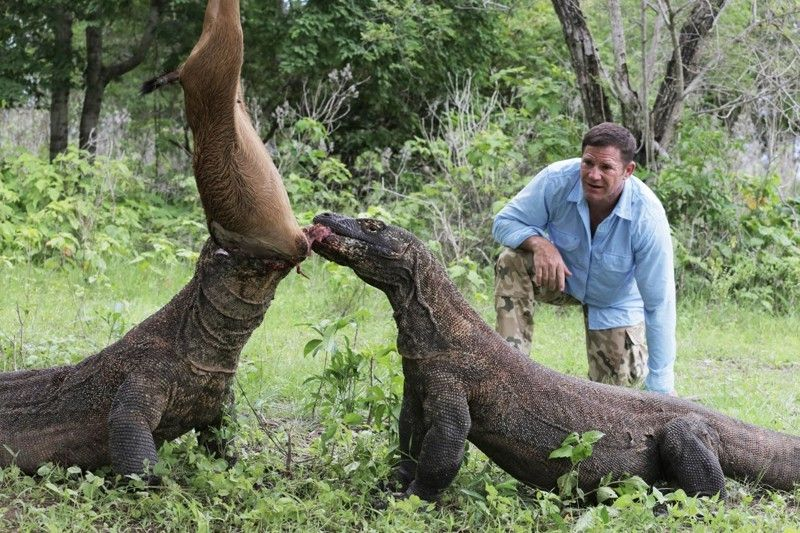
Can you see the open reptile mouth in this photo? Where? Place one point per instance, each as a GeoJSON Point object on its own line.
{"type": "Point", "coordinates": [317, 232]}
{"type": "Point", "coordinates": [329, 226]}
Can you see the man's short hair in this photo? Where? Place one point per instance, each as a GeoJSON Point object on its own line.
{"type": "Point", "coordinates": [610, 134]}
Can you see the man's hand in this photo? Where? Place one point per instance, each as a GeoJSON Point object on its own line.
{"type": "Point", "coordinates": [548, 266]}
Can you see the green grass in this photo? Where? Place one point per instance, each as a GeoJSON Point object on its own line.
{"type": "Point", "coordinates": [738, 361]}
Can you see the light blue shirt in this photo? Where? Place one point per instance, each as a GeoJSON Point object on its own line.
{"type": "Point", "coordinates": [624, 274]}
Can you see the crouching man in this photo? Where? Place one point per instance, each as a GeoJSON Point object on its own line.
{"type": "Point", "coordinates": [587, 232]}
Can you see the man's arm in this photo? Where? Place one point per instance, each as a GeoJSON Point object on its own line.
{"type": "Point", "coordinates": [522, 223]}
{"type": "Point", "coordinates": [527, 214]}
{"type": "Point", "coordinates": [656, 281]}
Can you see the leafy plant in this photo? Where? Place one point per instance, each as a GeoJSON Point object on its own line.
{"type": "Point", "coordinates": [735, 237]}
{"type": "Point", "coordinates": [577, 448]}
{"type": "Point", "coordinates": [81, 212]}
{"type": "Point", "coordinates": [466, 274]}
{"type": "Point", "coordinates": [115, 320]}
{"type": "Point", "coordinates": [356, 388]}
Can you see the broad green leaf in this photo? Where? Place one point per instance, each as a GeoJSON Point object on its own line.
{"type": "Point", "coordinates": [563, 452]}
{"type": "Point", "coordinates": [605, 493]}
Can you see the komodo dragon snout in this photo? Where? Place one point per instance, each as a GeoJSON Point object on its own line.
{"type": "Point", "coordinates": [377, 252]}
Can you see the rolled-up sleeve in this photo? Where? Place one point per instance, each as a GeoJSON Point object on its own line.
{"type": "Point", "coordinates": [525, 215]}
{"type": "Point", "coordinates": [655, 279]}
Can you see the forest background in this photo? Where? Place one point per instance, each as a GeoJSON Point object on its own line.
{"type": "Point", "coordinates": [430, 115]}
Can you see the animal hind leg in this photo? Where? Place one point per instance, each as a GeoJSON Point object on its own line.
{"type": "Point", "coordinates": [211, 74]}
{"type": "Point", "coordinates": [688, 451]}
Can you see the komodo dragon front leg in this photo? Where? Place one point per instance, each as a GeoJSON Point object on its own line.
{"type": "Point", "coordinates": [688, 448]}
{"type": "Point", "coordinates": [447, 422]}
{"type": "Point", "coordinates": [212, 437]}
{"type": "Point", "coordinates": [411, 432]}
{"type": "Point", "coordinates": [135, 413]}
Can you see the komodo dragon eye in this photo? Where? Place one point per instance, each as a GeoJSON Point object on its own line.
{"type": "Point", "coordinates": [373, 226]}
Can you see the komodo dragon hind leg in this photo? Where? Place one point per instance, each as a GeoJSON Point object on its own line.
{"type": "Point", "coordinates": [135, 411]}
{"type": "Point", "coordinates": [213, 437]}
{"type": "Point", "coordinates": [688, 451]}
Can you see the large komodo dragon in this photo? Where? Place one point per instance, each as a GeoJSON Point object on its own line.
{"type": "Point", "coordinates": [171, 373]}
{"type": "Point", "coordinates": [463, 381]}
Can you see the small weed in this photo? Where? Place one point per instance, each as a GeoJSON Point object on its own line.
{"type": "Point", "coordinates": [356, 388]}
{"type": "Point", "coordinates": [577, 448]}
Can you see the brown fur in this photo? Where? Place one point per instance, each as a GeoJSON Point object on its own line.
{"type": "Point", "coordinates": [245, 202]}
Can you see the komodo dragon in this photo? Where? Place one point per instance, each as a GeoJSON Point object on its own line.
{"type": "Point", "coordinates": [169, 374]}
{"type": "Point", "coordinates": [463, 381]}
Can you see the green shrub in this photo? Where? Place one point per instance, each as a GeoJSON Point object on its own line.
{"type": "Point", "coordinates": [734, 236]}
{"type": "Point", "coordinates": [82, 212]}
{"type": "Point", "coordinates": [356, 388]}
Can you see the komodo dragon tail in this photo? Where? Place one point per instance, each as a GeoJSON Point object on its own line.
{"type": "Point", "coordinates": [758, 454]}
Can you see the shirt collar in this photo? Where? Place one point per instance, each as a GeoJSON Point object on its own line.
{"type": "Point", "coordinates": [623, 207]}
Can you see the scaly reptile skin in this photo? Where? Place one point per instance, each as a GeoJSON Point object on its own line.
{"type": "Point", "coordinates": [168, 375]}
{"type": "Point", "coordinates": [463, 381]}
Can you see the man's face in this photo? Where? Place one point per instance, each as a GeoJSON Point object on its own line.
{"type": "Point", "coordinates": [603, 174]}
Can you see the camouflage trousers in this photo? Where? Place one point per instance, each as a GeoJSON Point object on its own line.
{"type": "Point", "coordinates": [617, 355]}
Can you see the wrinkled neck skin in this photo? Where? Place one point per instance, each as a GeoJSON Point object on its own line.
{"type": "Point", "coordinates": [227, 304]}
{"type": "Point", "coordinates": [432, 317]}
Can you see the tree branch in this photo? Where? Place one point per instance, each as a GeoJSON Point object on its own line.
{"type": "Point", "coordinates": [115, 70]}
{"type": "Point", "coordinates": [585, 61]}
{"type": "Point", "coordinates": [629, 100]}
{"type": "Point", "coordinates": [682, 68]}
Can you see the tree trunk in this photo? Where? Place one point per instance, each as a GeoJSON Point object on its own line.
{"type": "Point", "coordinates": [95, 86]}
{"type": "Point", "coordinates": [629, 103]}
{"type": "Point", "coordinates": [97, 76]}
{"type": "Point", "coordinates": [585, 61]}
{"type": "Point", "coordinates": [669, 101]}
{"type": "Point", "coordinates": [60, 82]}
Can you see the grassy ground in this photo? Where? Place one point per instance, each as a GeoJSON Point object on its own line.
{"type": "Point", "coordinates": [310, 472]}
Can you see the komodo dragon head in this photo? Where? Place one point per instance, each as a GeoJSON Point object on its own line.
{"type": "Point", "coordinates": [382, 255]}
{"type": "Point", "coordinates": [432, 317]}
{"type": "Point", "coordinates": [236, 278]}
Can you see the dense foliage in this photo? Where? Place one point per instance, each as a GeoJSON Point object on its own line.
{"type": "Point", "coordinates": [430, 115]}
{"type": "Point", "coordinates": [734, 235]}
{"type": "Point", "coordinates": [74, 211]}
